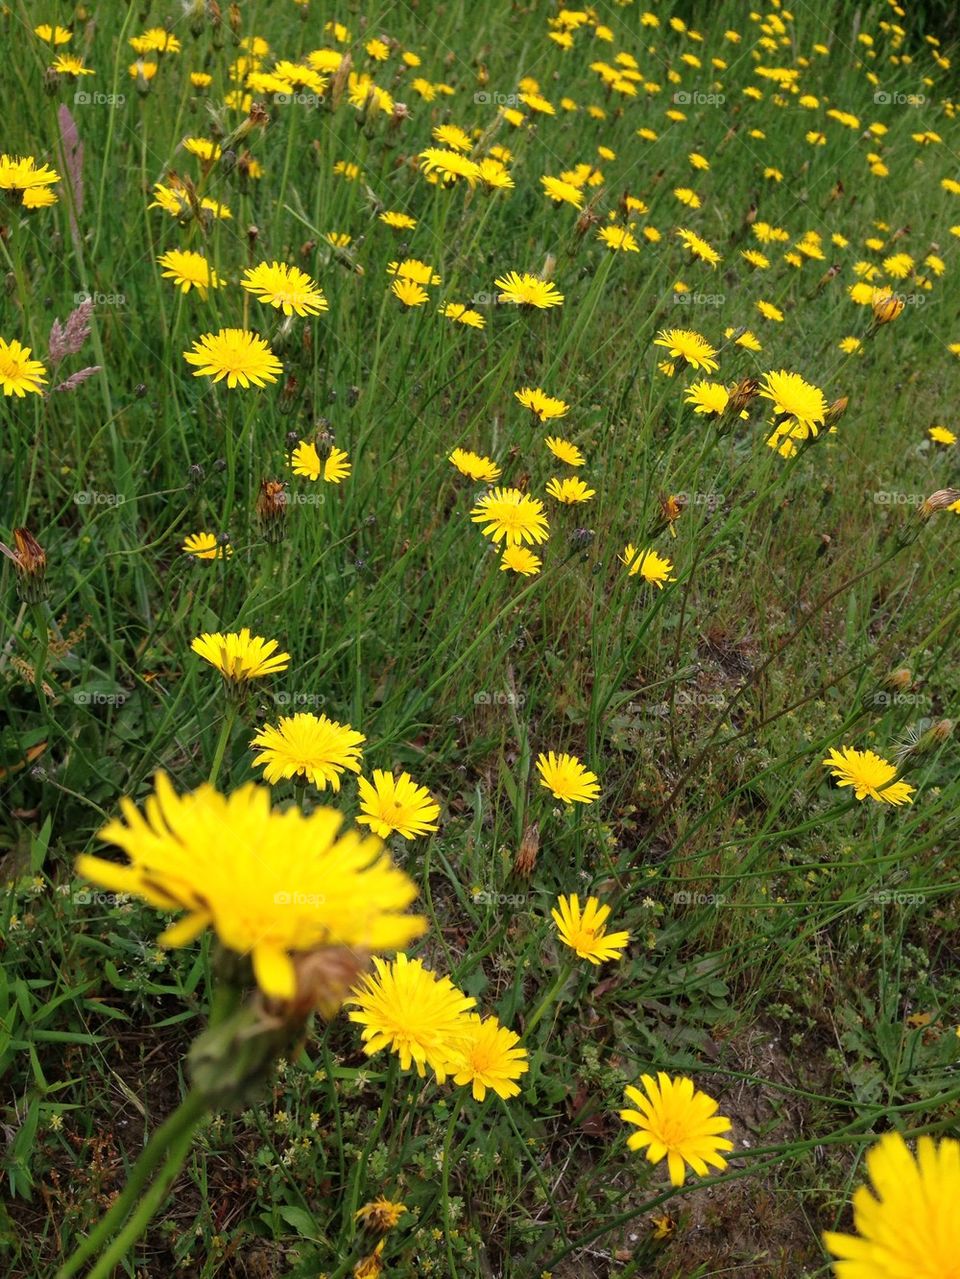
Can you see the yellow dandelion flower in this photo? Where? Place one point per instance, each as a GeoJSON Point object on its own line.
{"type": "Point", "coordinates": [410, 1010]}
{"type": "Point", "coordinates": [570, 491]}
{"type": "Point", "coordinates": [585, 931]}
{"type": "Point", "coordinates": [309, 746]}
{"type": "Point", "coordinates": [287, 288]}
{"type": "Point", "coordinates": [677, 1122]}
{"type": "Point", "coordinates": [567, 779]}
{"type": "Point", "coordinates": [189, 270]}
{"type": "Point", "coordinates": [511, 516]}
{"type": "Point", "coordinates": [868, 774]}
{"type": "Point", "coordinates": [520, 559]}
{"type": "Point", "coordinates": [543, 407]}
{"type": "Point", "coordinates": [397, 804]}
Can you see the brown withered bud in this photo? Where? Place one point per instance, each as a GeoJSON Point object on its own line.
{"type": "Point", "coordinates": [526, 857]}
{"type": "Point", "coordinates": [290, 393]}
{"type": "Point", "coordinates": [900, 679]}
{"type": "Point", "coordinates": [324, 439]}
{"type": "Point", "coordinates": [836, 411]}
{"type": "Point", "coordinates": [324, 978]}
{"type": "Point", "coordinates": [585, 221]}
{"type": "Point", "coordinates": [942, 500]}
{"type": "Point", "coordinates": [234, 18]}
{"type": "Point", "coordinates": [30, 561]}
{"type": "Point", "coordinates": [940, 730]}
{"type": "Point", "coordinates": [339, 82]}
{"type": "Point", "coordinates": [741, 395]}
{"type": "Point", "coordinates": [272, 510]}
{"type": "Point", "coordinates": [256, 118]}
{"type": "Point", "coordinates": [399, 113]}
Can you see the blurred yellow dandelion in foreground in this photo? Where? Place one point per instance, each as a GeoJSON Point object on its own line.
{"type": "Point", "coordinates": [274, 885]}
{"type": "Point", "coordinates": [907, 1222]}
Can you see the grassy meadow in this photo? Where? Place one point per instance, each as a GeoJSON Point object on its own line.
{"type": "Point", "coordinates": [571, 395]}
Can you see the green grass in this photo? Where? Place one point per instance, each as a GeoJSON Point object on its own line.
{"type": "Point", "coordinates": [793, 950]}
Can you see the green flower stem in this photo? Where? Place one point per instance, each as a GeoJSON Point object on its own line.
{"type": "Point", "coordinates": [229, 720]}
{"type": "Point", "coordinates": [175, 1131]}
{"type": "Point", "coordinates": [445, 1181]}
{"type": "Point", "coordinates": [548, 999]}
{"type": "Point", "coordinates": [148, 1205]}
{"type": "Point", "coordinates": [42, 636]}
{"type": "Point", "coordinates": [353, 1195]}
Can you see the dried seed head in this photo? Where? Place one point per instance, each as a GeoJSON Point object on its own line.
{"type": "Point", "coordinates": [30, 561]}
{"type": "Point", "coordinates": [526, 857]}
{"type": "Point", "coordinates": [272, 510]}
{"type": "Point", "coordinates": [836, 411]}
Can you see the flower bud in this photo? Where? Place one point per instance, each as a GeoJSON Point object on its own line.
{"type": "Point", "coordinates": [30, 561]}
{"type": "Point", "coordinates": [272, 511]}
{"type": "Point", "coordinates": [886, 306]}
